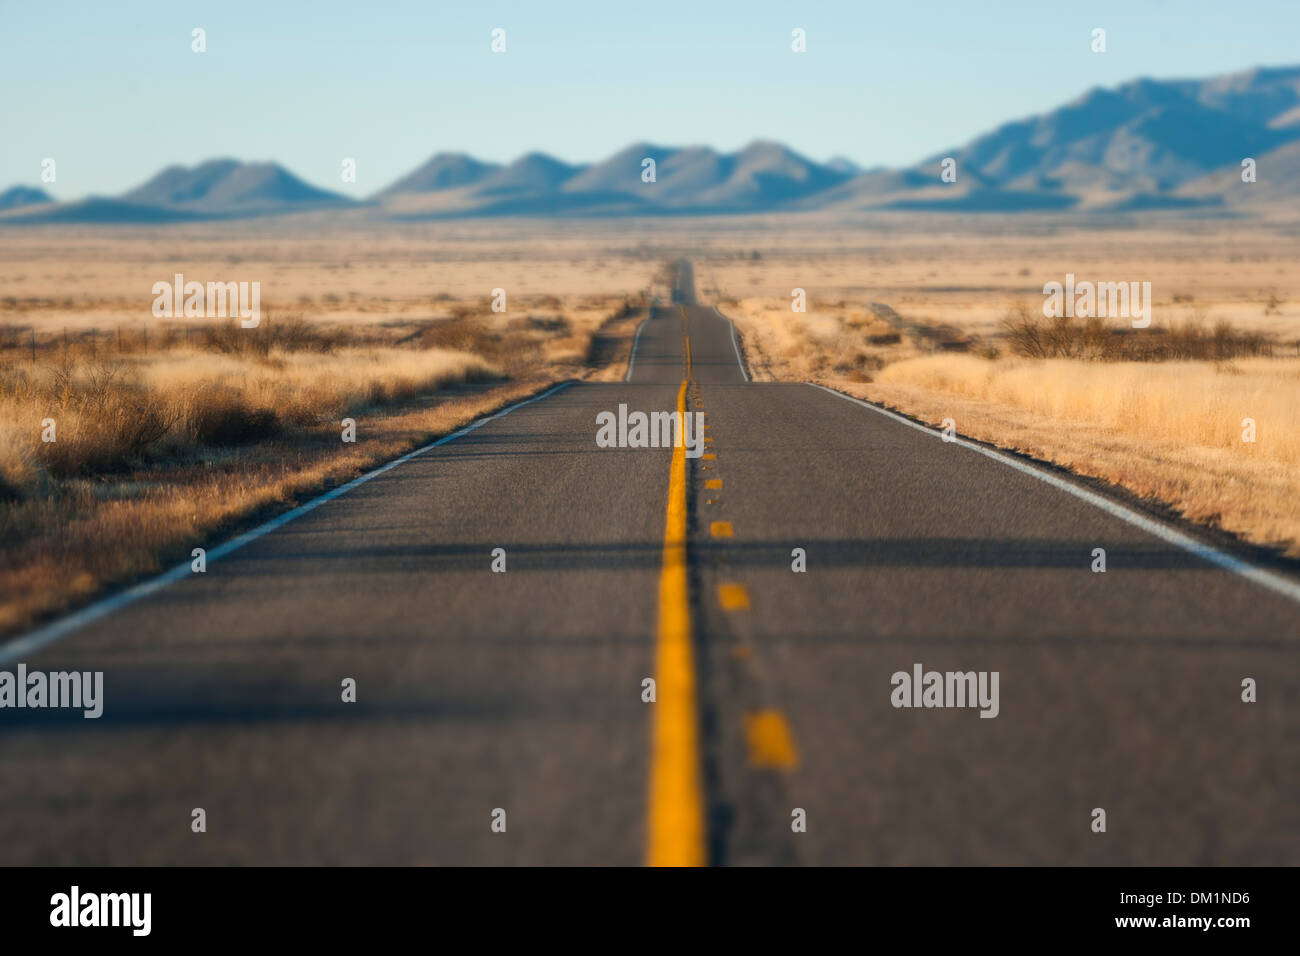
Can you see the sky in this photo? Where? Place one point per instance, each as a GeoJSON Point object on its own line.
{"type": "Point", "coordinates": [113, 92]}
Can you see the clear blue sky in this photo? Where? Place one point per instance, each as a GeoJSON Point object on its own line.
{"type": "Point", "coordinates": [111, 90]}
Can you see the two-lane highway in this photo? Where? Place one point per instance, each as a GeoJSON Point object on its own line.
{"type": "Point", "coordinates": [772, 588]}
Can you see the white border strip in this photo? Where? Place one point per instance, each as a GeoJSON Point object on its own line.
{"type": "Point", "coordinates": [33, 641]}
{"type": "Point", "coordinates": [1267, 579]}
{"type": "Point", "coordinates": [733, 341]}
{"type": "Point", "coordinates": [631, 361]}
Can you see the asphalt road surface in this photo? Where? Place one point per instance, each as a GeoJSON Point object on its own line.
{"type": "Point", "coordinates": [772, 738]}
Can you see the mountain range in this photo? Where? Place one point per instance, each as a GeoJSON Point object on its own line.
{"type": "Point", "coordinates": [1148, 144]}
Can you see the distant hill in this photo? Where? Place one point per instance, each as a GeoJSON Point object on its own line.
{"type": "Point", "coordinates": [529, 174]}
{"type": "Point", "coordinates": [17, 196]}
{"type": "Point", "coordinates": [1134, 146]}
{"type": "Point", "coordinates": [216, 189]}
{"type": "Point", "coordinates": [442, 171]}
{"type": "Point", "coordinates": [100, 210]}
{"type": "Point", "coordinates": [761, 174]}
{"type": "Point", "coordinates": [844, 166]}
{"type": "Point", "coordinates": [692, 179]}
{"type": "Point", "coordinates": [765, 175]}
{"type": "Point", "coordinates": [225, 187]}
{"type": "Point", "coordinates": [1145, 145]}
{"type": "Point", "coordinates": [1277, 182]}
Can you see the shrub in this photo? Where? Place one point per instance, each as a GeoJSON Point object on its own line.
{"type": "Point", "coordinates": [220, 417]}
{"type": "Point", "coordinates": [1029, 333]}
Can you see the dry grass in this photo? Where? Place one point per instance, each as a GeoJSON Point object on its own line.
{"type": "Point", "coordinates": [1027, 333]}
{"type": "Point", "coordinates": [1172, 431]}
{"type": "Point", "coordinates": [963, 274]}
{"type": "Point", "coordinates": [78, 278]}
{"type": "Point", "coordinates": [1200, 404]}
{"type": "Point", "coordinates": [109, 416]}
{"type": "Point", "coordinates": [830, 341]}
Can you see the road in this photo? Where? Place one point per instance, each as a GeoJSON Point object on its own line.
{"type": "Point", "coordinates": [521, 691]}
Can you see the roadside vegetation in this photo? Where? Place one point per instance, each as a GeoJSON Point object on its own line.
{"type": "Point", "coordinates": [1026, 332]}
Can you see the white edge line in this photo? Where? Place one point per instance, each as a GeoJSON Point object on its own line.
{"type": "Point", "coordinates": [33, 641]}
{"type": "Point", "coordinates": [1267, 579]}
{"type": "Point", "coordinates": [631, 361]}
{"type": "Point", "coordinates": [733, 342]}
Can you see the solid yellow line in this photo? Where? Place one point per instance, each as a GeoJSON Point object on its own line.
{"type": "Point", "coordinates": [770, 741]}
{"type": "Point", "coordinates": [675, 831]}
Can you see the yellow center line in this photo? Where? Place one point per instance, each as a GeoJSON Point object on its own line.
{"type": "Point", "coordinates": [770, 741]}
{"type": "Point", "coordinates": [675, 829]}
{"type": "Point", "coordinates": [733, 596]}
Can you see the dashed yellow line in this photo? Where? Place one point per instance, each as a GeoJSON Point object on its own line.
{"type": "Point", "coordinates": [720, 529]}
{"type": "Point", "coordinates": [675, 829]}
{"type": "Point", "coordinates": [713, 483]}
{"type": "Point", "coordinates": [770, 741]}
{"type": "Point", "coordinates": [733, 597]}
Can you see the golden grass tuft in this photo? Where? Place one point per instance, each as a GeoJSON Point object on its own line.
{"type": "Point", "coordinates": [1200, 404]}
{"type": "Point", "coordinates": [110, 416]}
{"type": "Point", "coordinates": [1169, 431]}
